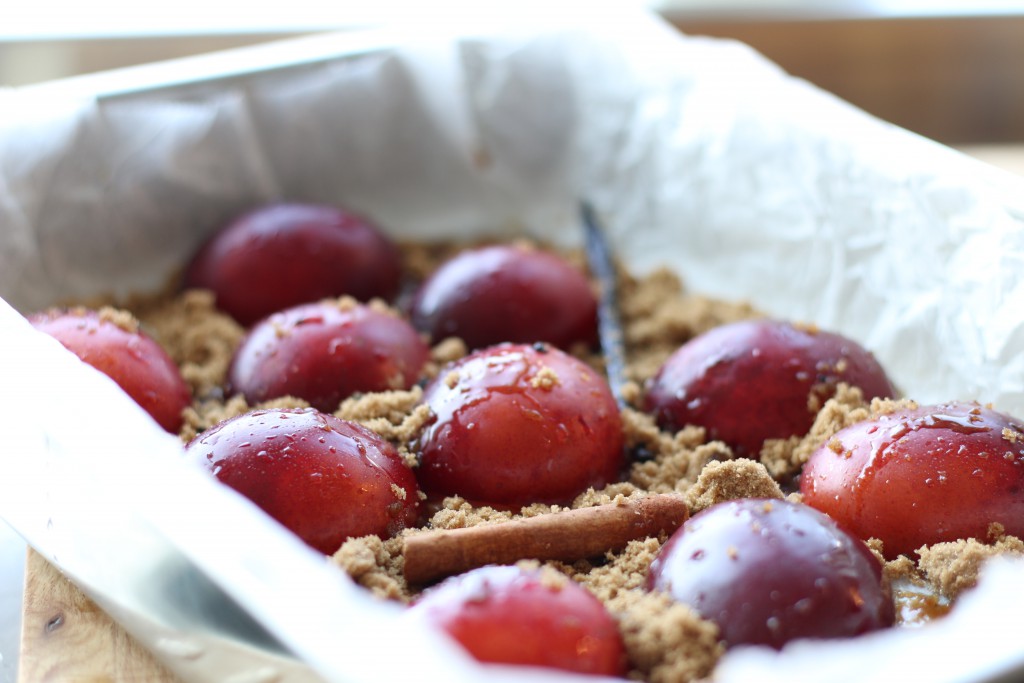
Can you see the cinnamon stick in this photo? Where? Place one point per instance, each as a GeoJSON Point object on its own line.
{"type": "Point", "coordinates": [567, 536]}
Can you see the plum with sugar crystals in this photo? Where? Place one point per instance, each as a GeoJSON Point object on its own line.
{"type": "Point", "coordinates": [515, 424]}
{"type": "Point", "coordinates": [324, 352]}
{"type": "Point", "coordinates": [769, 571]}
{"type": "Point", "coordinates": [508, 615]}
{"type": "Point", "coordinates": [758, 379]}
{"type": "Point", "coordinates": [323, 478]}
{"type": "Point", "coordinates": [922, 475]}
{"type": "Point", "coordinates": [112, 343]}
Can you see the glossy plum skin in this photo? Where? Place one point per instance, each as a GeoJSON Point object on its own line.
{"type": "Point", "coordinates": [507, 293]}
{"type": "Point", "coordinates": [769, 571]}
{"type": "Point", "coordinates": [750, 381]}
{"type": "Point", "coordinates": [128, 356]}
{"type": "Point", "coordinates": [922, 476]}
{"type": "Point", "coordinates": [324, 352]}
{"type": "Point", "coordinates": [508, 615]}
{"type": "Point", "coordinates": [282, 255]}
{"type": "Point", "coordinates": [515, 424]}
{"type": "Point", "coordinates": [323, 478]}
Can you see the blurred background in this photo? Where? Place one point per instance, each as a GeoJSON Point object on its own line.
{"type": "Point", "coordinates": [947, 69]}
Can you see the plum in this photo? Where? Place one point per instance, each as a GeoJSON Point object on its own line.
{"type": "Point", "coordinates": [112, 343]}
{"type": "Point", "coordinates": [515, 424]}
{"type": "Point", "coordinates": [758, 379]}
{"type": "Point", "coordinates": [769, 571]}
{"type": "Point", "coordinates": [509, 615]}
{"type": "Point", "coordinates": [323, 478]}
{"type": "Point", "coordinates": [507, 293]}
{"type": "Point", "coordinates": [922, 475]}
{"type": "Point", "coordinates": [324, 352]}
{"type": "Point", "coordinates": [281, 255]}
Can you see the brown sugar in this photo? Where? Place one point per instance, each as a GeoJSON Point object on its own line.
{"type": "Point", "coordinates": [375, 564]}
{"type": "Point", "coordinates": [666, 641]}
{"type": "Point", "coordinates": [395, 415]}
{"type": "Point", "coordinates": [657, 318]}
{"type": "Point", "coordinates": [667, 462]}
{"type": "Point", "coordinates": [123, 319]}
{"type": "Point", "coordinates": [199, 338]}
{"type": "Point", "coordinates": [953, 567]}
{"type": "Point", "coordinates": [729, 480]}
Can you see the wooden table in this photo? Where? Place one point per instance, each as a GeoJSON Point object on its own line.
{"type": "Point", "coordinates": [66, 637]}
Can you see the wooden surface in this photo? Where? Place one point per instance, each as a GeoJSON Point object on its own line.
{"type": "Point", "coordinates": [65, 637]}
{"type": "Point", "coordinates": [953, 79]}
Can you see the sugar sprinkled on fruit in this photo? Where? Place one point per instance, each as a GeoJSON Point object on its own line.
{"type": "Point", "coordinates": [510, 615]}
{"type": "Point", "coordinates": [768, 572]}
{"type": "Point", "coordinates": [758, 379]}
{"type": "Point", "coordinates": [513, 425]}
{"type": "Point", "coordinates": [111, 342]}
{"type": "Point", "coordinates": [323, 478]}
{"type": "Point", "coordinates": [922, 475]}
{"type": "Point", "coordinates": [324, 352]}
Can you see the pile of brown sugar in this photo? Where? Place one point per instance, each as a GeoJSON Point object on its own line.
{"type": "Point", "coordinates": [665, 641]}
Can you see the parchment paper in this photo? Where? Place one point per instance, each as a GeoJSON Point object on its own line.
{"type": "Point", "coordinates": [699, 154]}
